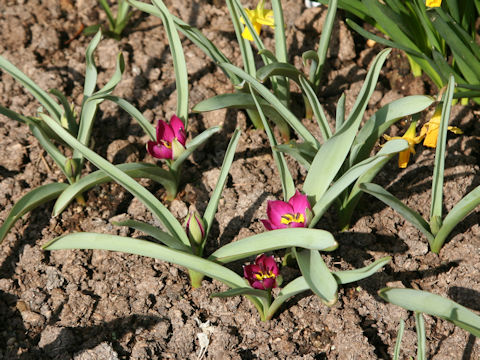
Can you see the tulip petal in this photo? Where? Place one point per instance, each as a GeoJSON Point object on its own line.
{"type": "Point", "coordinates": [178, 129]}
{"type": "Point", "coordinates": [299, 203]}
{"type": "Point", "coordinates": [275, 210]}
{"type": "Point", "coordinates": [268, 225]}
{"type": "Point", "coordinates": [164, 131]}
{"type": "Point", "coordinates": [159, 151]}
{"type": "Point", "coordinates": [270, 264]}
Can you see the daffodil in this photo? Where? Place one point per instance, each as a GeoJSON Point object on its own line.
{"type": "Point", "coordinates": [431, 128]}
{"type": "Point", "coordinates": [433, 3]}
{"type": "Point", "coordinates": [258, 17]}
{"type": "Point", "coordinates": [413, 140]}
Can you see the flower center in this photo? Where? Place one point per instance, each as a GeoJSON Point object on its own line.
{"type": "Point", "coordinates": [166, 144]}
{"type": "Point", "coordinates": [264, 275]}
{"type": "Point", "coordinates": [289, 218]}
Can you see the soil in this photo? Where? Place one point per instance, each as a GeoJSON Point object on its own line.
{"type": "Point", "coordinates": [106, 305]}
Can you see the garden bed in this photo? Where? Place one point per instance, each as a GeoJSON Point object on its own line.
{"type": "Point", "coordinates": [106, 305]}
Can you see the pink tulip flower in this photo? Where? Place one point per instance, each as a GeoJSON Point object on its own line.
{"type": "Point", "coordinates": [171, 139]}
{"type": "Point", "coordinates": [294, 213]}
{"type": "Point", "coordinates": [263, 274]}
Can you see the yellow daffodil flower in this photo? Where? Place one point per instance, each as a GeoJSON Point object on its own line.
{"type": "Point", "coordinates": [413, 140]}
{"type": "Point", "coordinates": [433, 3]}
{"type": "Point", "coordinates": [258, 17]}
{"type": "Point", "coordinates": [431, 128]}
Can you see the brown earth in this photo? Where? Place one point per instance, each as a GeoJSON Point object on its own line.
{"type": "Point", "coordinates": [105, 305]}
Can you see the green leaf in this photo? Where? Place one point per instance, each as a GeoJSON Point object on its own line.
{"type": "Point", "coordinates": [336, 149]}
{"type": "Point", "coordinates": [42, 97]}
{"type": "Point", "coordinates": [289, 117]}
{"type": "Point", "coordinates": [398, 342]}
{"type": "Point", "coordinates": [135, 170]}
{"type": "Point", "coordinates": [391, 148]}
{"type": "Point", "coordinates": [411, 216]}
{"type": "Point", "coordinates": [146, 248]}
{"type": "Point", "coordinates": [379, 122]}
{"type": "Point", "coordinates": [30, 201]}
{"type": "Point", "coordinates": [342, 277]}
{"type": "Point", "coordinates": [316, 108]}
{"type": "Point", "coordinates": [349, 276]}
{"type": "Point", "coordinates": [317, 275]}
{"type": "Point", "coordinates": [436, 305]}
{"type": "Point", "coordinates": [241, 291]}
{"type": "Point", "coordinates": [316, 73]}
{"type": "Point", "coordinates": [47, 145]}
{"type": "Point", "coordinates": [148, 199]}
{"type": "Point", "coordinates": [273, 240]}
{"type": "Point", "coordinates": [156, 233]}
{"type": "Point", "coordinates": [129, 108]}
{"type": "Point", "coordinates": [212, 206]}
{"type": "Point", "coordinates": [288, 186]}
{"type": "Point", "coordinates": [457, 214]}
{"type": "Point", "coordinates": [279, 69]}
{"type": "Point", "coordinates": [179, 65]}
{"type": "Point", "coordinates": [91, 69]}
{"type": "Point", "coordinates": [421, 338]}
{"type": "Point", "coordinates": [72, 123]}
{"type": "Point", "coordinates": [297, 152]}
{"type": "Point", "coordinates": [439, 168]}
{"type": "Point", "coordinates": [193, 145]}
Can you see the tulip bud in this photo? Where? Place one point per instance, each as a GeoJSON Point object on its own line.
{"type": "Point", "coordinates": [195, 228]}
{"type": "Point", "coordinates": [71, 168]}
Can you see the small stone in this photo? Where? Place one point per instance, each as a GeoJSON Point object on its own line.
{"type": "Point", "coordinates": [33, 318]}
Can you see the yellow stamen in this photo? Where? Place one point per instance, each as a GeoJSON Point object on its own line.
{"type": "Point", "coordinates": [289, 218]}
{"type": "Point", "coordinates": [262, 275]}
{"type": "Point", "coordinates": [166, 144]}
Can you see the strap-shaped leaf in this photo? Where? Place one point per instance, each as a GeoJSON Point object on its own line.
{"type": "Point", "coordinates": [432, 304]}
{"type": "Point", "coordinates": [193, 145]}
{"type": "Point", "coordinates": [288, 186]}
{"type": "Point", "coordinates": [316, 73]}
{"type": "Point", "coordinates": [146, 248]}
{"type": "Point", "coordinates": [135, 170]}
{"type": "Point", "coordinates": [42, 97]}
{"type": "Point", "coordinates": [132, 110]}
{"type": "Point", "coordinates": [317, 275]}
{"type": "Point", "coordinates": [68, 113]}
{"type": "Point", "coordinates": [332, 154]}
{"type": "Point", "coordinates": [148, 199]}
{"type": "Point", "coordinates": [241, 291]}
{"type": "Point", "coordinates": [91, 69]}
{"type": "Point", "coordinates": [421, 338]}
{"type": "Point", "coordinates": [439, 167]}
{"type": "Point", "coordinates": [316, 108]}
{"type": "Point", "coordinates": [388, 150]}
{"type": "Point", "coordinates": [379, 122]}
{"type": "Point", "coordinates": [30, 201]}
{"type": "Point", "coordinates": [412, 216]}
{"type": "Point", "coordinates": [273, 240]}
{"type": "Point", "coordinates": [289, 117]}
{"type": "Point", "coordinates": [156, 233]}
{"type": "Point", "coordinates": [398, 342]}
{"type": "Point", "coordinates": [179, 64]}
{"type": "Point", "coordinates": [304, 158]}
{"type": "Point", "coordinates": [48, 146]}
{"type": "Point", "coordinates": [342, 277]}
{"type": "Point", "coordinates": [212, 206]}
{"type": "Point", "coordinates": [457, 214]}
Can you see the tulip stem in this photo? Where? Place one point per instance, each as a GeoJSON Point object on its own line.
{"type": "Point", "coordinates": [195, 278]}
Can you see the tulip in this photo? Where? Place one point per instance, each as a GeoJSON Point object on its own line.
{"type": "Point", "coordinates": [195, 228]}
{"type": "Point", "coordinates": [263, 273]}
{"type": "Point", "coordinates": [171, 139]}
{"type": "Point", "coordinates": [258, 17]}
{"type": "Point", "coordinates": [294, 213]}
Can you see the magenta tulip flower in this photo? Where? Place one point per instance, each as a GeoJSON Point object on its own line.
{"type": "Point", "coordinates": [263, 274]}
{"type": "Point", "coordinates": [171, 139]}
{"type": "Point", "coordinates": [294, 213]}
